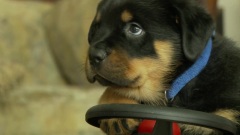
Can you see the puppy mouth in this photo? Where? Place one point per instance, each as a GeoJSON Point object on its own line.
{"type": "Point", "coordinates": [111, 77]}
{"type": "Point", "coordinates": [93, 76]}
{"type": "Point", "coordinates": [103, 81]}
{"type": "Point", "coordinates": [112, 81]}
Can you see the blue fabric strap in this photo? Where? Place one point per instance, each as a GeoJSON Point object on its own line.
{"type": "Point", "coordinates": [191, 73]}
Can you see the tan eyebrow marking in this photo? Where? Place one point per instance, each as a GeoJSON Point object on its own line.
{"type": "Point", "coordinates": [126, 16]}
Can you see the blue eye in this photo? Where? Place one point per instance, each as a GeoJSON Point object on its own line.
{"type": "Point", "coordinates": [134, 29]}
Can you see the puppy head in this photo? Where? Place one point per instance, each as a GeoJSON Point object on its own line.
{"type": "Point", "coordinates": [134, 43]}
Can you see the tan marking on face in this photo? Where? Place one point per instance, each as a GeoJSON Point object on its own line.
{"type": "Point", "coordinates": [118, 56]}
{"type": "Point", "coordinates": [126, 16]}
{"type": "Point", "coordinates": [98, 17]}
{"type": "Point", "coordinates": [115, 64]}
{"type": "Point", "coordinates": [165, 51]}
{"type": "Point", "coordinates": [154, 67]}
{"type": "Point", "coordinates": [152, 74]}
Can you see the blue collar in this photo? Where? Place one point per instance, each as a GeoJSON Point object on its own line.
{"type": "Point", "coordinates": [191, 73]}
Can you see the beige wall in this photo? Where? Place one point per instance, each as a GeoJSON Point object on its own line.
{"type": "Point", "coordinates": [231, 18]}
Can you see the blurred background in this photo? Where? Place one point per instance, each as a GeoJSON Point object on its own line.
{"type": "Point", "coordinates": [43, 43]}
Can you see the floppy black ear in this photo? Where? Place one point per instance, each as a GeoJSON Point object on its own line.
{"type": "Point", "coordinates": [197, 27]}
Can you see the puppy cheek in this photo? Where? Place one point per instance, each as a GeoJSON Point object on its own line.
{"type": "Point", "coordinates": [144, 69]}
{"type": "Point", "coordinates": [136, 72]}
{"type": "Point", "coordinates": [132, 71]}
{"type": "Point", "coordinates": [112, 69]}
{"type": "Point", "coordinates": [116, 64]}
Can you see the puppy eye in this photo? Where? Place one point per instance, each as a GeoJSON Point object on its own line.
{"type": "Point", "coordinates": [134, 29]}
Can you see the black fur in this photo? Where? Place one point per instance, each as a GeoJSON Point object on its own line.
{"type": "Point", "coordinates": [188, 27]}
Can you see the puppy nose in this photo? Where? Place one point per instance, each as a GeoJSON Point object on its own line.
{"type": "Point", "coordinates": [97, 55]}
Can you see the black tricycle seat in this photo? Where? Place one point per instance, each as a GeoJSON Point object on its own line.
{"type": "Point", "coordinates": [163, 115]}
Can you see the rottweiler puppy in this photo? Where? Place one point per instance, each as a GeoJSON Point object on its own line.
{"type": "Point", "coordinates": [138, 48]}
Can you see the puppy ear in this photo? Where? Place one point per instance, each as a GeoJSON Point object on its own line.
{"type": "Point", "coordinates": [196, 26]}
